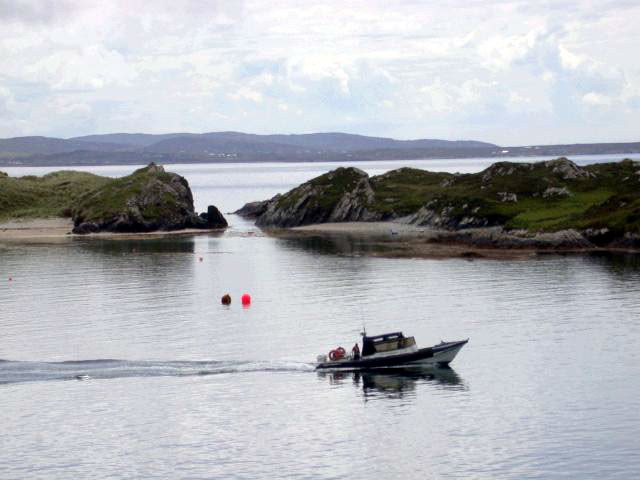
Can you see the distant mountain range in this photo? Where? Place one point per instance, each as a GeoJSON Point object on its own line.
{"type": "Point", "coordinates": [142, 148]}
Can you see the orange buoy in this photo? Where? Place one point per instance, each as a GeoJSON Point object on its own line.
{"type": "Point", "coordinates": [246, 299]}
{"type": "Point", "coordinates": [226, 299]}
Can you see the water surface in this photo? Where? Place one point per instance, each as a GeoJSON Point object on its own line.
{"type": "Point", "coordinates": [118, 360]}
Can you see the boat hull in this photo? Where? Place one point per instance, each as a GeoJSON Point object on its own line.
{"type": "Point", "coordinates": [441, 354]}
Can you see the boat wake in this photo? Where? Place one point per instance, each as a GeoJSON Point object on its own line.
{"type": "Point", "coordinates": [25, 371]}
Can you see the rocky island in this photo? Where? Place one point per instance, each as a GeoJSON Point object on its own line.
{"type": "Point", "coordinates": [148, 200]}
{"type": "Point", "coordinates": [553, 204]}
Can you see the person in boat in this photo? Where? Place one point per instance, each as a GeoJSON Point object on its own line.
{"type": "Point", "coordinates": [355, 352]}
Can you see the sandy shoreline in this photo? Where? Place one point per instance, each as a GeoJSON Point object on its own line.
{"type": "Point", "coordinates": [36, 230]}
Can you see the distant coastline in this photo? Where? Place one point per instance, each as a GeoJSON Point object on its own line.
{"type": "Point", "coordinates": [236, 147]}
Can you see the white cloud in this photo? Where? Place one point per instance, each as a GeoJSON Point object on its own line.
{"type": "Point", "coordinates": [88, 68]}
{"type": "Point", "coordinates": [244, 93]}
{"type": "Point", "coordinates": [596, 99]}
{"type": "Point", "coordinates": [407, 69]}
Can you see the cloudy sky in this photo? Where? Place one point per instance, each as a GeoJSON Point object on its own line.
{"type": "Point", "coordinates": [509, 72]}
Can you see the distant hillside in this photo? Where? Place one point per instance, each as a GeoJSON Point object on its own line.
{"type": "Point", "coordinates": [201, 143]}
{"type": "Point", "coordinates": [48, 146]}
{"type": "Point", "coordinates": [128, 139]}
{"type": "Point", "coordinates": [141, 148]}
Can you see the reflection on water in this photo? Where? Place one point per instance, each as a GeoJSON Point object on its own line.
{"type": "Point", "coordinates": [180, 244]}
{"type": "Point", "coordinates": [396, 382]}
{"type": "Point", "coordinates": [337, 244]}
{"type": "Point", "coordinates": [619, 263]}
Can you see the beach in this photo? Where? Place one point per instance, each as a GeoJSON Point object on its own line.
{"type": "Point", "coordinates": [55, 229]}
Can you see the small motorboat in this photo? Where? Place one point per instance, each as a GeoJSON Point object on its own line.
{"type": "Point", "coordinates": [389, 350]}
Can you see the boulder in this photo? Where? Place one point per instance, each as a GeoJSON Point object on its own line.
{"type": "Point", "coordinates": [556, 192]}
{"type": "Point", "coordinates": [86, 227]}
{"type": "Point", "coordinates": [214, 218]}
{"type": "Point", "coordinates": [507, 197]}
{"type": "Point", "coordinates": [3, 175]}
{"type": "Point", "coordinates": [566, 169]}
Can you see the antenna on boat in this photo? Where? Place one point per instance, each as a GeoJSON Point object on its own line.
{"type": "Point", "coordinates": [363, 333]}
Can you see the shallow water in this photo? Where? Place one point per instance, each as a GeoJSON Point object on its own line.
{"type": "Point", "coordinates": [119, 361]}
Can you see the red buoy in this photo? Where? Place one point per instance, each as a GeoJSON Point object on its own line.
{"type": "Point", "coordinates": [246, 299]}
{"type": "Point", "coordinates": [10, 279]}
{"type": "Point", "coordinates": [200, 259]}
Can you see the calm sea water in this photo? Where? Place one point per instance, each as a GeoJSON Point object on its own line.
{"type": "Point", "coordinates": [175, 385]}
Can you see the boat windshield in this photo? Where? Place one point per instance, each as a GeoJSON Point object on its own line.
{"type": "Point", "coordinates": [381, 343]}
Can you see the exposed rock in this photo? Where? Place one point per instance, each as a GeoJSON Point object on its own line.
{"type": "Point", "coordinates": [629, 240]}
{"type": "Point", "coordinates": [563, 239]}
{"type": "Point", "coordinates": [497, 237]}
{"type": "Point", "coordinates": [599, 236]}
{"type": "Point", "coordinates": [3, 174]}
{"type": "Point", "coordinates": [214, 218]}
{"type": "Point", "coordinates": [149, 199]}
{"type": "Point", "coordinates": [429, 217]}
{"type": "Point", "coordinates": [501, 169]}
{"type": "Point", "coordinates": [255, 209]}
{"type": "Point", "coordinates": [447, 182]}
{"type": "Point", "coordinates": [566, 169]}
{"type": "Point", "coordinates": [86, 227]}
{"type": "Point", "coordinates": [341, 195]}
{"type": "Point", "coordinates": [507, 197]}
{"type": "Point", "coordinates": [556, 192]}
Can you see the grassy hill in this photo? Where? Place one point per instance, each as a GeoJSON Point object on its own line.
{"type": "Point", "coordinates": [52, 195]}
{"type": "Point", "coordinates": [535, 197]}
{"type": "Point", "coordinates": [149, 199]}
{"type": "Point", "coordinates": [544, 196]}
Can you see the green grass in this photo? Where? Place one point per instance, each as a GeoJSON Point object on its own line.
{"type": "Point", "coordinates": [555, 214]}
{"type": "Point", "coordinates": [405, 190]}
{"type": "Point", "coordinates": [70, 193]}
{"type": "Point", "coordinates": [51, 195]}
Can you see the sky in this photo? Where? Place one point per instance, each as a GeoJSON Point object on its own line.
{"type": "Point", "coordinates": [507, 72]}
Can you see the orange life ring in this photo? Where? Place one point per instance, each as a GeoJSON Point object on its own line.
{"type": "Point", "coordinates": [337, 354]}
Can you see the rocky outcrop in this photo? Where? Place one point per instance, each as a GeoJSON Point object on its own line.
{"type": "Point", "coordinates": [553, 204]}
{"type": "Point", "coordinates": [150, 199]}
{"type": "Point", "coordinates": [443, 218]}
{"type": "Point", "coordinates": [556, 192]}
{"type": "Point", "coordinates": [507, 197]}
{"type": "Point", "coordinates": [498, 238]}
{"type": "Point", "coordinates": [566, 169]}
{"type": "Point", "coordinates": [341, 195]}
{"type": "Point", "coordinates": [255, 209]}
{"type": "Point", "coordinates": [3, 175]}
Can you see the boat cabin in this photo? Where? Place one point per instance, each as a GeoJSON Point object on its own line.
{"type": "Point", "coordinates": [387, 342]}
